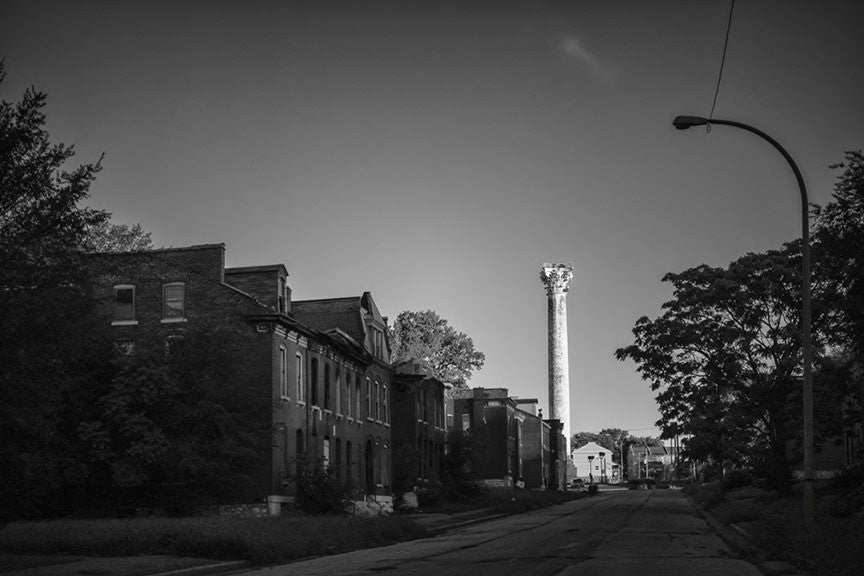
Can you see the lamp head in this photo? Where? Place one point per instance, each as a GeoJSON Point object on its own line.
{"type": "Point", "coordinates": [685, 122]}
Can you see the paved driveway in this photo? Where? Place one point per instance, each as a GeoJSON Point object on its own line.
{"type": "Point", "coordinates": [616, 533]}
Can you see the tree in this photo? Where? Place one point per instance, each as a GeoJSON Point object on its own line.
{"type": "Point", "coordinates": [107, 237]}
{"type": "Point", "coordinates": [44, 303]}
{"type": "Point", "coordinates": [839, 230]}
{"type": "Point", "coordinates": [174, 425]}
{"type": "Point", "coordinates": [725, 356]}
{"type": "Point", "coordinates": [426, 337]}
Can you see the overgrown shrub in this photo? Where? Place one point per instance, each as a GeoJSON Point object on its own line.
{"type": "Point", "coordinates": [320, 489]}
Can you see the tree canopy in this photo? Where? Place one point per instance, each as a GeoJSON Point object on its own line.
{"type": "Point", "coordinates": [106, 236]}
{"type": "Point", "coordinates": [725, 354]}
{"type": "Point", "coordinates": [426, 337]}
{"type": "Point", "coordinates": [45, 305]}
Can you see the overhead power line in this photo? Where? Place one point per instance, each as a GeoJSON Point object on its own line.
{"type": "Point", "coordinates": [723, 59]}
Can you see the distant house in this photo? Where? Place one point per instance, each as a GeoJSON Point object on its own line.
{"type": "Point", "coordinates": [649, 462]}
{"type": "Point", "coordinates": [594, 464]}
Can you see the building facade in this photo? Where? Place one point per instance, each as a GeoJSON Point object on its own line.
{"type": "Point", "coordinates": [317, 371]}
{"type": "Point", "coordinates": [418, 427]}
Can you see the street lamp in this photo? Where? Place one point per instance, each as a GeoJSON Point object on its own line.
{"type": "Point", "coordinates": [591, 469]}
{"type": "Point", "coordinates": [685, 122]}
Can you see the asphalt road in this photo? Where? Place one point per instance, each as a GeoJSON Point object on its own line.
{"type": "Point", "coordinates": [613, 534]}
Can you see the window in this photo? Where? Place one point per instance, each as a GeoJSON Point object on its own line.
{"type": "Point", "coordinates": [313, 382]}
{"type": "Point", "coordinates": [124, 303]}
{"type": "Point", "coordinates": [384, 403]}
{"type": "Point", "coordinates": [327, 386]}
{"type": "Point", "coordinates": [466, 421]}
{"type": "Point", "coordinates": [348, 394]}
{"type": "Point", "coordinates": [282, 308]}
{"type": "Point", "coordinates": [298, 361]}
{"type": "Point", "coordinates": [283, 372]}
{"type": "Point", "coordinates": [357, 396]}
{"type": "Point", "coordinates": [338, 404]}
{"type": "Point", "coordinates": [377, 401]}
{"type": "Point", "coordinates": [368, 398]}
{"type": "Point", "coordinates": [173, 300]}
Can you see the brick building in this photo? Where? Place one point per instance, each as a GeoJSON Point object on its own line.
{"type": "Point", "coordinates": [418, 426]}
{"type": "Point", "coordinates": [542, 467]}
{"type": "Point", "coordinates": [318, 371]}
{"type": "Point", "coordinates": [495, 424]}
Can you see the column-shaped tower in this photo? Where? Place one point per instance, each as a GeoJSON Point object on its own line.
{"type": "Point", "coordinates": [556, 278]}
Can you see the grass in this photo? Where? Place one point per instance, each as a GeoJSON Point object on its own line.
{"type": "Point", "coordinates": [260, 541]}
{"type": "Point", "coordinates": [833, 547]}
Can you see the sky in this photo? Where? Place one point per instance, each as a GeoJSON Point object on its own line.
{"type": "Point", "coordinates": [438, 153]}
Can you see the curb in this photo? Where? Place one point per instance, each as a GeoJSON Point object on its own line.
{"type": "Point", "coordinates": [740, 540]}
{"type": "Point", "coordinates": [208, 569]}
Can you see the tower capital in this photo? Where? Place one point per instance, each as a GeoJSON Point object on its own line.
{"type": "Point", "coordinates": [556, 278]}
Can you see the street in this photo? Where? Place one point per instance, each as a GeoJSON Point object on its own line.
{"type": "Point", "coordinates": [615, 533]}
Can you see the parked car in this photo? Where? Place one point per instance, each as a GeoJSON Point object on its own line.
{"type": "Point", "coordinates": [577, 484]}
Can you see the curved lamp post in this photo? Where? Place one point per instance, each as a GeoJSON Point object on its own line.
{"type": "Point", "coordinates": [685, 122]}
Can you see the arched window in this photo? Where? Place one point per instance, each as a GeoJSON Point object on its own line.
{"type": "Point", "coordinates": [377, 401]}
{"type": "Point", "coordinates": [384, 404]}
{"type": "Point", "coordinates": [368, 398]}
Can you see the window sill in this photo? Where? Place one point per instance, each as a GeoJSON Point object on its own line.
{"type": "Point", "coordinates": [124, 323]}
{"type": "Point", "coordinates": [285, 398]}
{"type": "Point", "coordinates": [328, 412]}
{"type": "Point", "coordinates": [301, 404]}
{"type": "Point", "coordinates": [172, 320]}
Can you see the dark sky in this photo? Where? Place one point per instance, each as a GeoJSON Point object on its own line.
{"type": "Point", "coordinates": [437, 153]}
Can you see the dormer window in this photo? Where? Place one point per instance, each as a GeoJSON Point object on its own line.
{"type": "Point", "coordinates": [282, 304]}
{"type": "Point", "coordinates": [174, 301]}
{"type": "Point", "coordinates": [124, 304]}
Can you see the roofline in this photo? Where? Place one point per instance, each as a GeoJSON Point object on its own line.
{"type": "Point", "coordinates": [293, 302]}
{"type": "Point", "coordinates": [169, 249]}
{"type": "Point", "coordinates": [262, 268]}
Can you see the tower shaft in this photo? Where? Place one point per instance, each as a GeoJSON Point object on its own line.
{"type": "Point", "coordinates": [556, 278]}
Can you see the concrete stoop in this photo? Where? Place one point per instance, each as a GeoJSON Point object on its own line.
{"type": "Point", "coordinates": [372, 506]}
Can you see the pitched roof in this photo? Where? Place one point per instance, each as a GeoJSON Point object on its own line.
{"type": "Point", "coordinates": [329, 313]}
